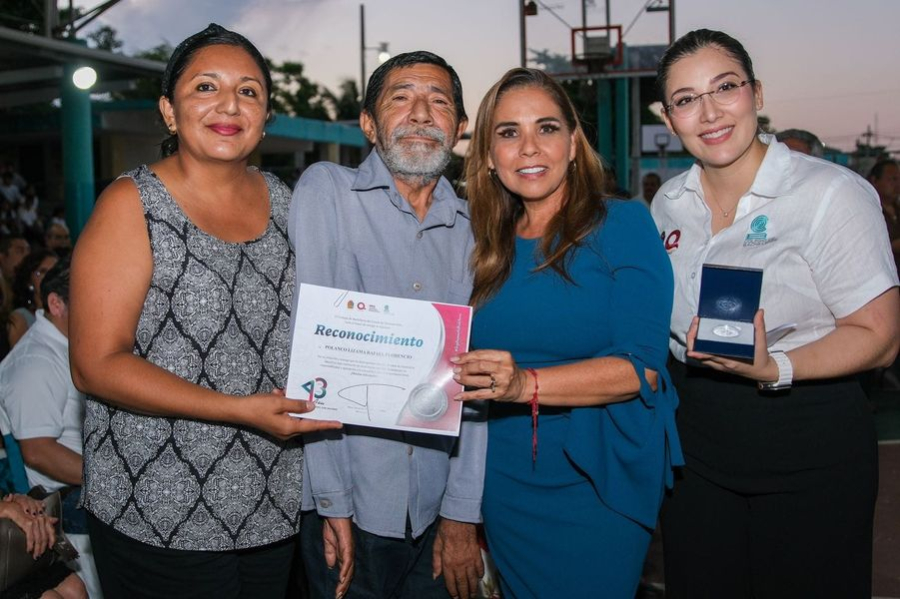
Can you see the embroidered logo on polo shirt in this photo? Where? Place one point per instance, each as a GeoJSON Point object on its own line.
{"type": "Point", "coordinates": [671, 240]}
{"type": "Point", "coordinates": [757, 235]}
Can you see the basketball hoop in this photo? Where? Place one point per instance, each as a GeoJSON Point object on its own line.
{"type": "Point", "coordinates": [597, 47]}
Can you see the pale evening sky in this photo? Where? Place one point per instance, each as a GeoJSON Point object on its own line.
{"type": "Point", "coordinates": [831, 68]}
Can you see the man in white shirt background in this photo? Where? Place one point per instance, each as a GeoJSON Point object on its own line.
{"type": "Point", "coordinates": [46, 412]}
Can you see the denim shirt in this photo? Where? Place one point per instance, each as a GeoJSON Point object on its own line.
{"type": "Point", "coordinates": [351, 229]}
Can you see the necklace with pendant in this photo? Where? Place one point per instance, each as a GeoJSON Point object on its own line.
{"type": "Point", "coordinates": [725, 213]}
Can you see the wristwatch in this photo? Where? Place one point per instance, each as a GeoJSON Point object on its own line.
{"type": "Point", "coordinates": [785, 373]}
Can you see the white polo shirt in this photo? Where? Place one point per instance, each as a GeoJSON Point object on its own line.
{"type": "Point", "coordinates": [38, 395]}
{"type": "Point", "coordinates": [815, 228]}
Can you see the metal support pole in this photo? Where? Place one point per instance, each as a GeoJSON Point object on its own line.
{"type": "Point", "coordinates": [671, 22]}
{"type": "Point", "coordinates": [635, 102]}
{"type": "Point", "coordinates": [362, 53]}
{"type": "Point", "coordinates": [51, 17]}
{"type": "Point", "coordinates": [85, 19]}
{"type": "Point", "coordinates": [522, 44]}
{"type": "Point", "coordinates": [77, 152]}
{"type": "Point", "coordinates": [604, 120]}
{"type": "Point", "coordinates": [622, 122]}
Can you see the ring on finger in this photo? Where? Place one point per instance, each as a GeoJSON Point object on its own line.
{"type": "Point", "coordinates": [493, 384]}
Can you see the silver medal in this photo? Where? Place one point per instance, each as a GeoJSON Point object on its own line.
{"type": "Point", "coordinates": [727, 330]}
{"type": "Point", "coordinates": [427, 402]}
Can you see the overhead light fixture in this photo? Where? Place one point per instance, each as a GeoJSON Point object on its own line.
{"type": "Point", "coordinates": [383, 54]}
{"type": "Point", "coordinates": [84, 77]}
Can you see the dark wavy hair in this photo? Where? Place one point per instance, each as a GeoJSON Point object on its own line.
{"type": "Point", "coordinates": [183, 55]}
{"type": "Point", "coordinates": [408, 59]}
{"type": "Point", "coordinates": [23, 289]}
{"type": "Point", "coordinates": [495, 211]}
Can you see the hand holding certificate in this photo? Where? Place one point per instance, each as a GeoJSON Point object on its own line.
{"type": "Point", "coordinates": [378, 361]}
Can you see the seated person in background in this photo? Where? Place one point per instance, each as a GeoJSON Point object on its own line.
{"type": "Point", "coordinates": [54, 582]}
{"type": "Point", "coordinates": [26, 289]}
{"type": "Point", "coordinates": [885, 178]}
{"type": "Point", "coordinates": [801, 141]}
{"type": "Point", "coordinates": [13, 249]}
{"type": "Point", "coordinates": [57, 238]}
{"type": "Point", "coordinates": [28, 213]}
{"type": "Point", "coordinates": [9, 223]}
{"type": "Point", "coordinates": [17, 179]}
{"type": "Point", "coordinates": [46, 411]}
{"type": "Point", "coordinates": [58, 217]}
{"type": "Point", "coordinates": [9, 190]}
{"type": "Point", "coordinates": [650, 184]}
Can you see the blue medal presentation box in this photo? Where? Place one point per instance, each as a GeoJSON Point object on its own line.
{"type": "Point", "coordinates": [729, 298]}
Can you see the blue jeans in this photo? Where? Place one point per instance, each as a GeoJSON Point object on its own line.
{"type": "Point", "coordinates": [74, 519]}
{"type": "Point", "coordinates": [386, 568]}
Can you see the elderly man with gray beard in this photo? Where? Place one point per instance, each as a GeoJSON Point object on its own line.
{"type": "Point", "coordinates": [395, 510]}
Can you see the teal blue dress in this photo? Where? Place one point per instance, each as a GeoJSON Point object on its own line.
{"type": "Point", "coordinates": [577, 521]}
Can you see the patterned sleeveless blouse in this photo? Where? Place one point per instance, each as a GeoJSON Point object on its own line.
{"type": "Point", "coordinates": [216, 314]}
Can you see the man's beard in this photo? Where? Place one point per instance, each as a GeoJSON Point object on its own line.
{"type": "Point", "coordinates": [417, 161]}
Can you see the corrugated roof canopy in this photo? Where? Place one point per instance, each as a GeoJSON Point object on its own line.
{"type": "Point", "coordinates": [31, 67]}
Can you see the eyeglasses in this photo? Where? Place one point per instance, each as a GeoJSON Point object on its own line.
{"type": "Point", "coordinates": [688, 104]}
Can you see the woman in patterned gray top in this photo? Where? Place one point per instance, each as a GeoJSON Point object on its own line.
{"type": "Point", "coordinates": [182, 286]}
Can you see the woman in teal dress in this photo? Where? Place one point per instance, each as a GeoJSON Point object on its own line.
{"type": "Point", "coordinates": [573, 294]}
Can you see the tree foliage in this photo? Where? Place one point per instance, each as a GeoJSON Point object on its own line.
{"type": "Point", "coordinates": [147, 88]}
{"type": "Point", "coordinates": [346, 104]}
{"type": "Point", "coordinates": [295, 94]}
{"type": "Point", "coordinates": [105, 38]}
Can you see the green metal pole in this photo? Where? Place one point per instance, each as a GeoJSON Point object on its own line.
{"type": "Point", "coordinates": [623, 132]}
{"type": "Point", "coordinates": [604, 120]}
{"type": "Point", "coordinates": [77, 152]}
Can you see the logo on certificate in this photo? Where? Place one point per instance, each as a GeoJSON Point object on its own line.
{"type": "Point", "coordinates": [316, 388]}
{"type": "Point", "coordinates": [364, 307]}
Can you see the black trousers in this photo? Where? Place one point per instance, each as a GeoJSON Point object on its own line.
{"type": "Point", "coordinates": [385, 568]}
{"type": "Point", "coordinates": [778, 495]}
{"type": "Point", "coordinates": [129, 569]}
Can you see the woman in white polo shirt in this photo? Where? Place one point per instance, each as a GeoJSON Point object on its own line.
{"type": "Point", "coordinates": [777, 497]}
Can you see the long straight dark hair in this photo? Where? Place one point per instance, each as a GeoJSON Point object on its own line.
{"type": "Point", "coordinates": [495, 211]}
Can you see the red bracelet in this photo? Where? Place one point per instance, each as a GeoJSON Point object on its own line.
{"type": "Point", "coordinates": [534, 415]}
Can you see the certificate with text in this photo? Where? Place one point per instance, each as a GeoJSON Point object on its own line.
{"type": "Point", "coordinates": [376, 360]}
